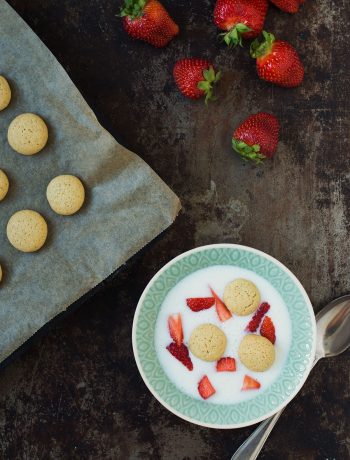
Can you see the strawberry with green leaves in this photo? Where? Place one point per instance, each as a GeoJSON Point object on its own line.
{"type": "Point", "coordinates": [195, 78]}
{"type": "Point", "coordinates": [289, 6]}
{"type": "Point", "coordinates": [149, 21]}
{"type": "Point", "coordinates": [277, 61]}
{"type": "Point", "coordinates": [240, 19]}
{"type": "Point", "coordinates": [257, 137]}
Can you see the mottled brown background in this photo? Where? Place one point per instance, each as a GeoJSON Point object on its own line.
{"type": "Point", "coordinates": [76, 392]}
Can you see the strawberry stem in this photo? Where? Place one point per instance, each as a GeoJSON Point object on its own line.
{"type": "Point", "coordinates": [234, 36]}
{"type": "Point", "coordinates": [258, 49]}
{"type": "Point", "coordinates": [248, 152]}
{"type": "Point", "coordinates": [133, 8]}
{"type": "Point", "coordinates": [206, 85]}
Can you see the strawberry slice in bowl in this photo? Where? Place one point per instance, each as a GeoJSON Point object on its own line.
{"type": "Point", "coordinates": [250, 384]}
{"type": "Point", "coordinates": [175, 328]}
{"type": "Point", "coordinates": [200, 303]}
{"type": "Point", "coordinates": [223, 312]}
{"type": "Point", "coordinates": [254, 323]}
{"type": "Point", "coordinates": [267, 329]}
{"type": "Point", "coordinates": [180, 352]}
{"type": "Point", "coordinates": [205, 388]}
{"type": "Point", "coordinates": [226, 365]}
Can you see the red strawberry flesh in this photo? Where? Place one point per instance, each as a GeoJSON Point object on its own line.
{"type": "Point", "coordinates": [240, 19]}
{"type": "Point", "coordinates": [289, 6]}
{"type": "Point", "coordinates": [267, 329]}
{"type": "Point", "coordinates": [181, 354]}
{"type": "Point", "coordinates": [226, 365]}
{"type": "Point", "coordinates": [200, 303]}
{"type": "Point", "coordinates": [250, 384]}
{"type": "Point", "coordinates": [149, 21]}
{"type": "Point", "coordinates": [195, 78]}
{"type": "Point", "coordinates": [223, 313]}
{"type": "Point", "coordinates": [175, 328]}
{"type": "Point", "coordinates": [254, 323]}
{"type": "Point", "coordinates": [277, 61]}
{"type": "Point", "coordinates": [205, 388]}
{"type": "Point", "coordinates": [257, 137]}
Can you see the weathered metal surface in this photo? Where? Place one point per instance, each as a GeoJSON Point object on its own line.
{"type": "Point", "coordinates": [76, 393]}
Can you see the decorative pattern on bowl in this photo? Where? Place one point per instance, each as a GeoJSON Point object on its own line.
{"type": "Point", "coordinates": [294, 372]}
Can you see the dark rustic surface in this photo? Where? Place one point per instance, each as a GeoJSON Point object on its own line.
{"type": "Point", "coordinates": [76, 393]}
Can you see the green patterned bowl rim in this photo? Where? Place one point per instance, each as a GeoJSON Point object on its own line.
{"type": "Point", "coordinates": [294, 372]}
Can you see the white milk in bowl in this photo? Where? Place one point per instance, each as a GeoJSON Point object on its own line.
{"type": "Point", "coordinates": [228, 385]}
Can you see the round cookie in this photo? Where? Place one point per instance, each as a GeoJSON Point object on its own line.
{"type": "Point", "coordinates": [256, 352]}
{"type": "Point", "coordinates": [208, 342]}
{"type": "Point", "coordinates": [5, 93]}
{"type": "Point", "coordinates": [65, 194]}
{"type": "Point", "coordinates": [4, 185]}
{"type": "Point", "coordinates": [27, 134]}
{"type": "Point", "coordinates": [241, 297]}
{"type": "Point", "coordinates": [27, 230]}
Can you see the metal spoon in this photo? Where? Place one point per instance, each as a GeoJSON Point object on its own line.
{"type": "Point", "coordinates": [333, 337]}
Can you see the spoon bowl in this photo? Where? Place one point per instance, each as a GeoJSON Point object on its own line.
{"type": "Point", "coordinates": [333, 328]}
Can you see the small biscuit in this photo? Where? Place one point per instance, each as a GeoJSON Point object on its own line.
{"type": "Point", "coordinates": [256, 352]}
{"type": "Point", "coordinates": [27, 231]}
{"type": "Point", "coordinates": [65, 195]}
{"type": "Point", "coordinates": [241, 297]}
{"type": "Point", "coordinates": [5, 93]}
{"type": "Point", "coordinates": [4, 185]}
{"type": "Point", "coordinates": [27, 134]}
{"type": "Point", "coordinates": [0, 273]}
{"type": "Point", "coordinates": [208, 342]}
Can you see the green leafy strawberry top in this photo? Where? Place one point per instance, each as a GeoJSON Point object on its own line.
{"type": "Point", "coordinates": [206, 85]}
{"type": "Point", "coordinates": [234, 36]}
{"type": "Point", "coordinates": [248, 152]}
{"type": "Point", "coordinates": [133, 8]}
{"type": "Point", "coordinates": [258, 49]}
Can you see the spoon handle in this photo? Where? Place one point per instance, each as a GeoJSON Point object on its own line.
{"type": "Point", "coordinates": [252, 446]}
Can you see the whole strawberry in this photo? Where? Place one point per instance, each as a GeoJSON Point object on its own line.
{"type": "Point", "coordinates": [149, 21]}
{"type": "Point", "coordinates": [277, 61]}
{"type": "Point", "coordinates": [289, 6]}
{"type": "Point", "coordinates": [195, 78]}
{"type": "Point", "coordinates": [240, 19]}
{"type": "Point", "coordinates": [257, 137]}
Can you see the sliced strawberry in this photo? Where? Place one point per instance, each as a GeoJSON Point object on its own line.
{"type": "Point", "coordinates": [200, 303]}
{"type": "Point", "coordinates": [180, 352]}
{"type": "Point", "coordinates": [250, 384]}
{"type": "Point", "coordinates": [223, 313]}
{"type": "Point", "coordinates": [258, 316]}
{"type": "Point", "coordinates": [268, 329]}
{"type": "Point", "coordinates": [205, 388]}
{"type": "Point", "coordinates": [175, 328]}
{"type": "Point", "coordinates": [226, 365]}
